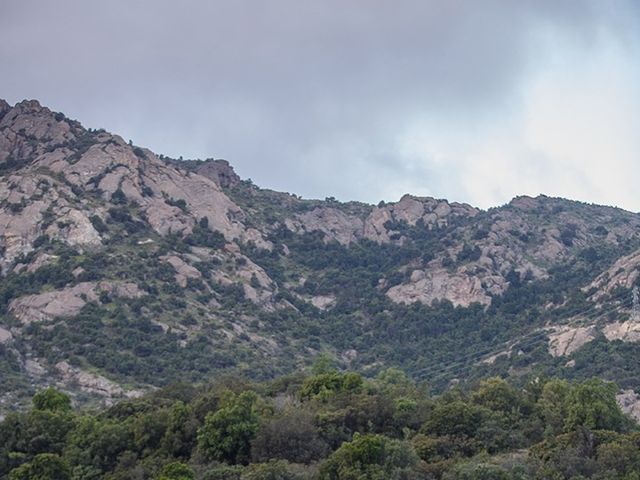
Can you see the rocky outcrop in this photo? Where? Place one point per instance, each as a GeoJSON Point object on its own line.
{"type": "Point", "coordinates": [184, 271]}
{"type": "Point", "coordinates": [69, 301]}
{"type": "Point", "coordinates": [629, 402]}
{"type": "Point", "coordinates": [411, 210]}
{"type": "Point", "coordinates": [323, 302]}
{"type": "Point", "coordinates": [258, 286]}
{"type": "Point", "coordinates": [93, 383]}
{"type": "Point", "coordinates": [24, 126]}
{"type": "Point", "coordinates": [61, 164]}
{"type": "Point", "coordinates": [219, 171]}
{"type": "Point", "coordinates": [565, 340]}
{"type": "Point", "coordinates": [333, 223]}
{"type": "Point", "coordinates": [5, 336]}
{"type": "Point", "coordinates": [439, 284]}
{"type": "Point", "coordinates": [623, 273]}
{"type": "Point", "coordinates": [377, 225]}
{"type": "Point", "coordinates": [628, 331]}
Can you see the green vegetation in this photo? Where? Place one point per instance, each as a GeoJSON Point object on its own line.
{"type": "Point", "coordinates": [329, 426]}
{"type": "Point", "coordinates": [207, 328]}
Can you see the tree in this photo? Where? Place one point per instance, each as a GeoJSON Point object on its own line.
{"type": "Point", "coordinates": [552, 405]}
{"type": "Point", "coordinates": [45, 466]}
{"type": "Point", "coordinates": [324, 363]}
{"type": "Point", "coordinates": [52, 400]}
{"type": "Point", "coordinates": [374, 457]}
{"type": "Point", "coordinates": [592, 404]}
{"type": "Point", "coordinates": [478, 471]}
{"type": "Point", "coordinates": [176, 471]}
{"type": "Point", "coordinates": [180, 435]}
{"type": "Point", "coordinates": [497, 395]}
{"type": "Point", "coordinates": [227, 433]}
{"type": "Point", "coordinates": [292, 437]}
{"type": "Point", "coordinates": [272, 470]}
{"type": "Point", "coordinates": [454, 418]}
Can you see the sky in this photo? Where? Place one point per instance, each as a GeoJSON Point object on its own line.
{"type": "Point", "coordinates": [475, 101]}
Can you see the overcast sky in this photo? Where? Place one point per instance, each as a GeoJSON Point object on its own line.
{"type": "Point", "coordinates": [474, 101]}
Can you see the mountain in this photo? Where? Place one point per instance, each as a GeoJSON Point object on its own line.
{"type": "Point", "coordinates": [124, 271]}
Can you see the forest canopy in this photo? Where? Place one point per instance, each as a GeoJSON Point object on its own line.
{"type": "Point", "coordinates": [328, 425]}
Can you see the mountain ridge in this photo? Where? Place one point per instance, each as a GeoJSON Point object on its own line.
{"type": "Point", "coordinates": [190, 270]}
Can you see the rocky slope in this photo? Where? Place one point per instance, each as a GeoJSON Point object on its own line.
{"type": "Point", "coordinates": [123, 270]}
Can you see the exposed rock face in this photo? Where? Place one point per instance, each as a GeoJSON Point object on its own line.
{"type": "Point", "coordinates": [410, 209]}
{"type": "Point", "coordinates": [219, 171]}
{"type": "Point", "coordinates": [28, 120]}
{"type": "Point", "coordinates": [61, 163]}
{"type": "Point", "coordinates": [184, 271]}
{"type": "Point", "coordinates": [528, 236]}
{"type": "Point", "coordinates": [346, 228]}
{"type": "Point", "coordinates": [566, 340]}
{"type": "Point", "coordinates": [67, 302]}
{"type": "Point", "coordinates": [94, 384]}
{"type": "Point", "coordinates": [323, 302]}
{"type": "Point", "coordinates": [257, 285]}
{"type": "Point", "coordinates": [335, 224]}
{"type": "Point", "coordinates": [628, 331]}
{"type": "Point", "coordinates": [629, 402]}
{"type": "Point", "coordinates": [437, 284]}
{"type": "Point", "coordinates": [623, 273]}
{"type": "Point", "coordinates": [5, 336]}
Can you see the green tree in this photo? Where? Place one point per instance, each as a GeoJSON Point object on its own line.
{"type": "Point", "coordinates": [180, 436]}
{"type": "Point", "coordinates": [324, 363]}
{"type": "Point", "coordinates": [370, 456]}
{"type": "Point", "coordinates": [176, 471]}
{"type": "Point", "coordinates": [272, 470]}
{"type": "Point", "coordinates": [292, 437]}
{"type": "Point", "coordinates": [592, 404]}
{"type": "Point", "coordinates": [497, 395]}
{"type": "Point", "coordinates": [454, 418]}
{"type": "Point", "coordinates": [45, 466]}
{"type": "Point", "coordinates": [478, 471]}
{"type": "Point", "coordinates": [552, 405]}
{"type": "Point", "coordinates": [227, 433]}
{"type": "Point", "coordinates": [52, 400]}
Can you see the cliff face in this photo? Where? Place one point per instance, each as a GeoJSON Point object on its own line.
{"type": "Point", "coordinates": [97, 233]}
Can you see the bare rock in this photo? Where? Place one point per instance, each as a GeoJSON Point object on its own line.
{"type": "Point", "coordinates": [425, 286]}
{"type": "Point", "coordinates": [75, 227]}
{"type": "Point", "coordinates": [219, 171]}
{"type": "Point", "coordinates": [29, 120]}
{"type": "Point", "coordinates": [565, 340]}
{"type": "Point", "coordinates": [34, 368]}
{"type": "Point", "coordinates": [628, 331]}
{"type": "Point", "coordinates": [69, 160]}
{"type": "Point", "coordinates": [629, 402]}
{"type": "Point", "coordinates": [323, 302]}
{"type": "Point", "coordinates": [67, 302]}
{"type": "Point", "coordinates": [184, 271]}
{"type": "Point", "coordinates": [92, 383]}
{"type": "Point", "coordinates": [335, 224]}
{"type": "Point", "coordinates": [5, 336]}
{"type": "Point", "coordinates": [410, 210]}
{"type": "Point", "coordinates": [623, 273]}
{"type": "Point", "coordinates": [40, 261]}
{"type": "Point", "coordinates": [258, 287]}
{"type": "Point", "coordinates": [347, 228]}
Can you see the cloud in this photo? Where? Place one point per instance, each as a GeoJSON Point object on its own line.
{"type": "Point", "coordinates": [358, 100]}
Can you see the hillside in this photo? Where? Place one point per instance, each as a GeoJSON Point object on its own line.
{"type": "Point", "coordinates": [124, 271]}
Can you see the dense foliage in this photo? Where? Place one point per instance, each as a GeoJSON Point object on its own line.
{"type": "Point", "coordinates": [329, 425]}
